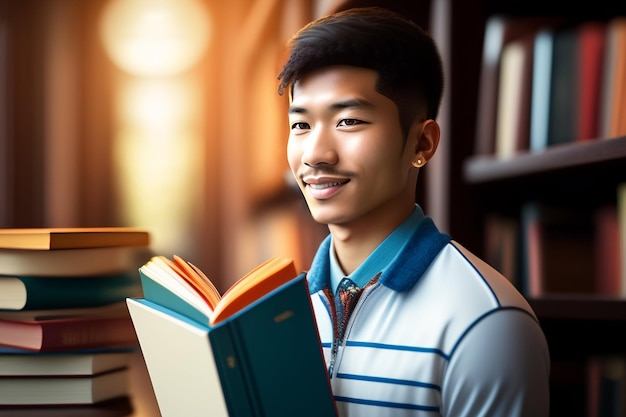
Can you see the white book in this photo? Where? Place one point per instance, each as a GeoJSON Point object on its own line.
{"type": "Point", "coordinates": [16, 362]}
{"type": "Point", "coordinates": [191, 387]}
{"type": "Point", "coordinates": [63, 390]}
{"type": "Point", "coordinates": [68, 262]}
{"type": "Point", "coordinates": [510, 99]}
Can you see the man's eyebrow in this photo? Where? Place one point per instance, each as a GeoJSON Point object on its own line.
{"type": "Point", "coordinates": [353, 102]}
{"type": "Point", "coordinates": [296, 109]}
{"type": "Point", "coordinates": [344, 104]}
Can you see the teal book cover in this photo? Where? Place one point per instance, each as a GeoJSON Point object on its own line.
{"type": "Point", "coordinates": [42, 292]}
{"type": "Point", "coordinates": [282, 354]}
{"type": "Point", "coordinates": [158, 294]}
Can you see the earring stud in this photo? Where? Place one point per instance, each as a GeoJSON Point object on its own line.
{"type": "Point", "coordinates": [418, 163]}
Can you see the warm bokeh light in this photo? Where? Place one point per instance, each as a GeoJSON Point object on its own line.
{"type": "Point", "coordinates": [158, 106]}
{"type": "Point", "coordinates": [159, 183]}
{"type": "Point", "coordinates": [159, 143]}
{"type": "Point", "coordinates": [155, 37]}
{"type": "Point", "coordinates": [158, 150]}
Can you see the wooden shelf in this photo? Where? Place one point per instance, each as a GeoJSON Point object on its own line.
{"type": "Point", "coordinates": [580, 307]}
{"type": "Point", "coordinates": [605, 153]}
{"type": "Point", "coordinates": [586, 173]}
{"type": "Point", "coordinates": [577, 327]}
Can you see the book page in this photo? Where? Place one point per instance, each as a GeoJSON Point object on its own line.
{"type": "Point", "coordinates": [260, 281]}
{"type": "Point", "coordinates": [160, 271]}
{"type": "Point", "coordinates": [195, 288]}
{"type": "Point", "coordinates": [200, 282]}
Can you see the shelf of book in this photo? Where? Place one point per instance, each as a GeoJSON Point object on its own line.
{"type": "Point", "coordinates": [547, 193]}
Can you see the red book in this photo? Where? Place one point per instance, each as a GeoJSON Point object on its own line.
{"type": "Point", "coordinates": [67, 329]}
{"type": "Point", "coordinates": [501, 245]}
{"type": "Point", "coordinates": [607, 251]}
{"type": "Point", "coordinates": [591, 41]}
{"type": "Point", "coordinates": [558, 248]}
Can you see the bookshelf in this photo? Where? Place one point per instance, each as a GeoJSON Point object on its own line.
{"type": "Point", "coordinates": [594, 168]}
{"type": "Point", "coordinates": [578, 174]}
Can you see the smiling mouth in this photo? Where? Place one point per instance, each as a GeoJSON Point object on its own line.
{"type": "Point", "coordinates": [326, 185]}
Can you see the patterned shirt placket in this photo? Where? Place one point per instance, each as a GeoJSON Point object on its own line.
{"type": "Point", "coordinates": [347, 296]}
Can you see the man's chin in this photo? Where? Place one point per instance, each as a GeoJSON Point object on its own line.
{"type": "Point", "coordinates": [321, 216]}
{"type": "Point", "coordinates": [327, 212]}
{"type": "Point", "coordinates": [326, 217]}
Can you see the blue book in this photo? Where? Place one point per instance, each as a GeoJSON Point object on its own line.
{"type": "Point", "coordinates": [263, 359]}
{"type": "Point", "coordinates": [541, 88]}
{"type": "Point", "coordinates": [44, 293]}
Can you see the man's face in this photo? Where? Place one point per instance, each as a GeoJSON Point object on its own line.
{"type": "Point", "coordinates": [346, 148]}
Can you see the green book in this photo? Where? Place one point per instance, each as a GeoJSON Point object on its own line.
{"type": "Point", "coordinates": [264, 359]}
{"type": "Point", "coordinates": [43, 293]}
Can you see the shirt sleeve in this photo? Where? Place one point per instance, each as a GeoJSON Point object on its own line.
{"type": "Point", "coordinates": [501, 367]}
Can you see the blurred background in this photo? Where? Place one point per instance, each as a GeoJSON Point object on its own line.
{"type": "Point", "coordinates": [164, 114]}
{"type": "Point", "coordinates": [161, 114]}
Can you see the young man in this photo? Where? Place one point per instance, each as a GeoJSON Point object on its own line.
{"type": "Point", "coordinates": [411, 323]}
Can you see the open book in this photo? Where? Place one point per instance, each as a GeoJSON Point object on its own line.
{"type": "Point", "coordinates": [253, 351]}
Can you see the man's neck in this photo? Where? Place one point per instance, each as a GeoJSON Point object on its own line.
{"type": "Point", "coordinates": [354, 242]}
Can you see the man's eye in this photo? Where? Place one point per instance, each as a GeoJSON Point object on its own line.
{"type": "Point", "coordinates": [349, 122]}
{"type": "Point", "coordinates": [299, 126]}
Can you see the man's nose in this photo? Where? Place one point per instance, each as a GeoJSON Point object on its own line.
{"type": "Point", "coordinates": [320, 147]}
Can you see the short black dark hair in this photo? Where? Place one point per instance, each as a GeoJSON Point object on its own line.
{"type": "Point", "coordinates": [406, 58]}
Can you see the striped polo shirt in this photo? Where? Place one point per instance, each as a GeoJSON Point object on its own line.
{"type": "Point", "coordinates": [438, 333]}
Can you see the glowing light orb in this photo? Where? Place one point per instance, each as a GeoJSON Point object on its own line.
{"type": "Point", "coordinates": [155, 37]}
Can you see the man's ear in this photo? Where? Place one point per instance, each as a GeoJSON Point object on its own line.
{"type": "Point", "coordinates": [427, 141]}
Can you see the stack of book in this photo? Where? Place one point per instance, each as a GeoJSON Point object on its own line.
{"type": "Point", "coordinates": [66, 337]}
